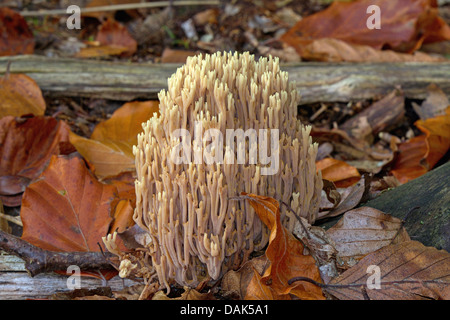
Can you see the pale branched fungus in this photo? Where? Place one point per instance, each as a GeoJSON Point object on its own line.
{"type": "Point", "coordinates": [196, 230]}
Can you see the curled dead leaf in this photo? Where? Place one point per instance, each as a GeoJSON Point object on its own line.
{"type": "Point", "coordinates": [286, 257]}
{"type": "Point", "coordinates": [339, 172]}
{"type": "Point", "coordinates": [420, 154]}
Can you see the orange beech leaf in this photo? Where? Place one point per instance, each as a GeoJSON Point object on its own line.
{"type": "Point", "coordinates": [257, 290]}
{"type": "Point", "coordinates": [16, 37]}
{"type": "Point", "coordinates": [20, 95]}
{"type": "Point", "coordinates": [66, 209]}
{"type": "Point", "coordinates": [100, 51]}
{"type": "Point", "coordinates": [26, 145]}
{"type": "Point", "coordinates": [335, 50]}
{"type": "Point", "coordinates": [405, 25]}
{"type": "Point", "coordinates": [109, 152]}
{"type": "Point", "coordinates": [342, 174]}
{"type": "Point", "coordinates": [123, 216]}
{"type": "Point", "coordinates": [112, 33]}
{"type": "Point", "coordinates": [286, 257]}
{"type": "Point", "coordinates": [176, 56]}
{"type": "Point", "coordinates": [437, 131]}
{"type": "Point", "coordinates": [420, 154]}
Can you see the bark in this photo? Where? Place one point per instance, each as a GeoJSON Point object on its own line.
{"type": "Point", "coordinates": [38, 260]}
{"type": "Point", "coordinates": [316, 82]}
{"type": "Point", "coordinates": [430, 222]}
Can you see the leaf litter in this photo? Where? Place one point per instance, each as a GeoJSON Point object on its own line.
{"type": "Point", "coordinates": [364, 236]}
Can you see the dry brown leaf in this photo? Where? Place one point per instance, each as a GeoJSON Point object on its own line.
{"type": "Point", "coordinates": [100, 51]}
{"type": "Point", "coordinates": [362, 231]}
{"type": "Point", "coordinates": [109, 152]}
{"type": "Point", "coordinates": [408, 271]}
{"type": "Point", "coordinates": [349, 198]}
{"type": "Point", "coordinates": [26, 144]}
{"type": "Point", "coordinates": [286, 257]}
{"type": "Point", "coordinates": [405, 25]}
{"type": "Point", "coordinates": [176, 56]}
{"type": "Point", "coordinates": [342, 174]}
{"type": "Point", "coordinates": [16, 37]}
{"type": "Point", "coordinates": [66, 209]}
{"type": "Point", "coordinates": [335, 50]}
{"type": "Point", "coordinates": [112, 33]}
{"type": "Point", "coordinates": [420, 154]}
{"type": "Point", "coordinates": [434, 105]}
{"type": "Point", "coordinates": [236, 283]}
{"type": "Point", "coordinates": [20, 95]}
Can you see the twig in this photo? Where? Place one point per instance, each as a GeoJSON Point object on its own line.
{"type": "Point", "coordinates": [15, 220]}
{"type": "Point", "coordinates": [38, 260]}
{"type": "Point", "coordinates": [127, 6]}
{"type": "Point", "coordinates": [298, 219]}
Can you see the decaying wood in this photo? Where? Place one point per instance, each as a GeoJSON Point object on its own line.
{"type": "Point", "coordinates": [316, 82]}
{"type": "Point", "coordinates": [38, 260]}
{"type": "Point", "coordinates": [430, 222]}
{"type": "Point", "coordinates": [19, 285]}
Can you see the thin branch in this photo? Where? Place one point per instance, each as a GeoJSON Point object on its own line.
{"type": "Point", "coordinates": [128, 6]}
{"type": "Point", "coordinates": [298, 219]}
{"type": "Point", "coordinates": [38, 260]}
{"type": "Point", "coordinates": [15, 220]}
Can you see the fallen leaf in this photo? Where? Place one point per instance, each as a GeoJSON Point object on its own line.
{"type": "Point", "coordinates": [106, 158]}
{"type": "Point", "coordinates": [335, 50]}
{"type": "Point", "coordinates": [420, 154]}
{"type": "Point", "coordinates": [109, 152]}
{"type": "Point", "coordinates": [286, 257]}
{"type": "Point", "coordinates": [434, 105]}
{"type": "Point", "coordinates": [112, 33]}
{"type": "Point", "coordinates": [16, 37]}
{"type": "Point", "coordinates": [408, 271]}
{"type": "Point", "coordinates": [176, 56]}
{"type": "Point", "coordinates": [66, 209]}
{"type": "Point", "coordinates": [342, 174]}
{"type": "Point", "coordinates": [20, 95]}
{"type": "Point", "coordinates": [349, 198]}
{"type": "Point", "coordinates": [26, 145]}
{"type": "Point", "coordinates": [236, 283]}
{"type": "Point", "coordinates": [123, 216]}
{"type": "Point", "coordinates": [405, 25]}
{"type": "Point", "coordinates": [437, 131]}
{"type": "Point", "coordinates": [100, 51]}
{"type": "Point", "coordinates": [257, 290]}
{"type": "Point", "coordinates": [362, 231]}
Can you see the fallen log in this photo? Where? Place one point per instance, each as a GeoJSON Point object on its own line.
{"type": "Point", "coordinates": [424, 205]}
{"type": "Point", "coordinates": [316, 82]}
